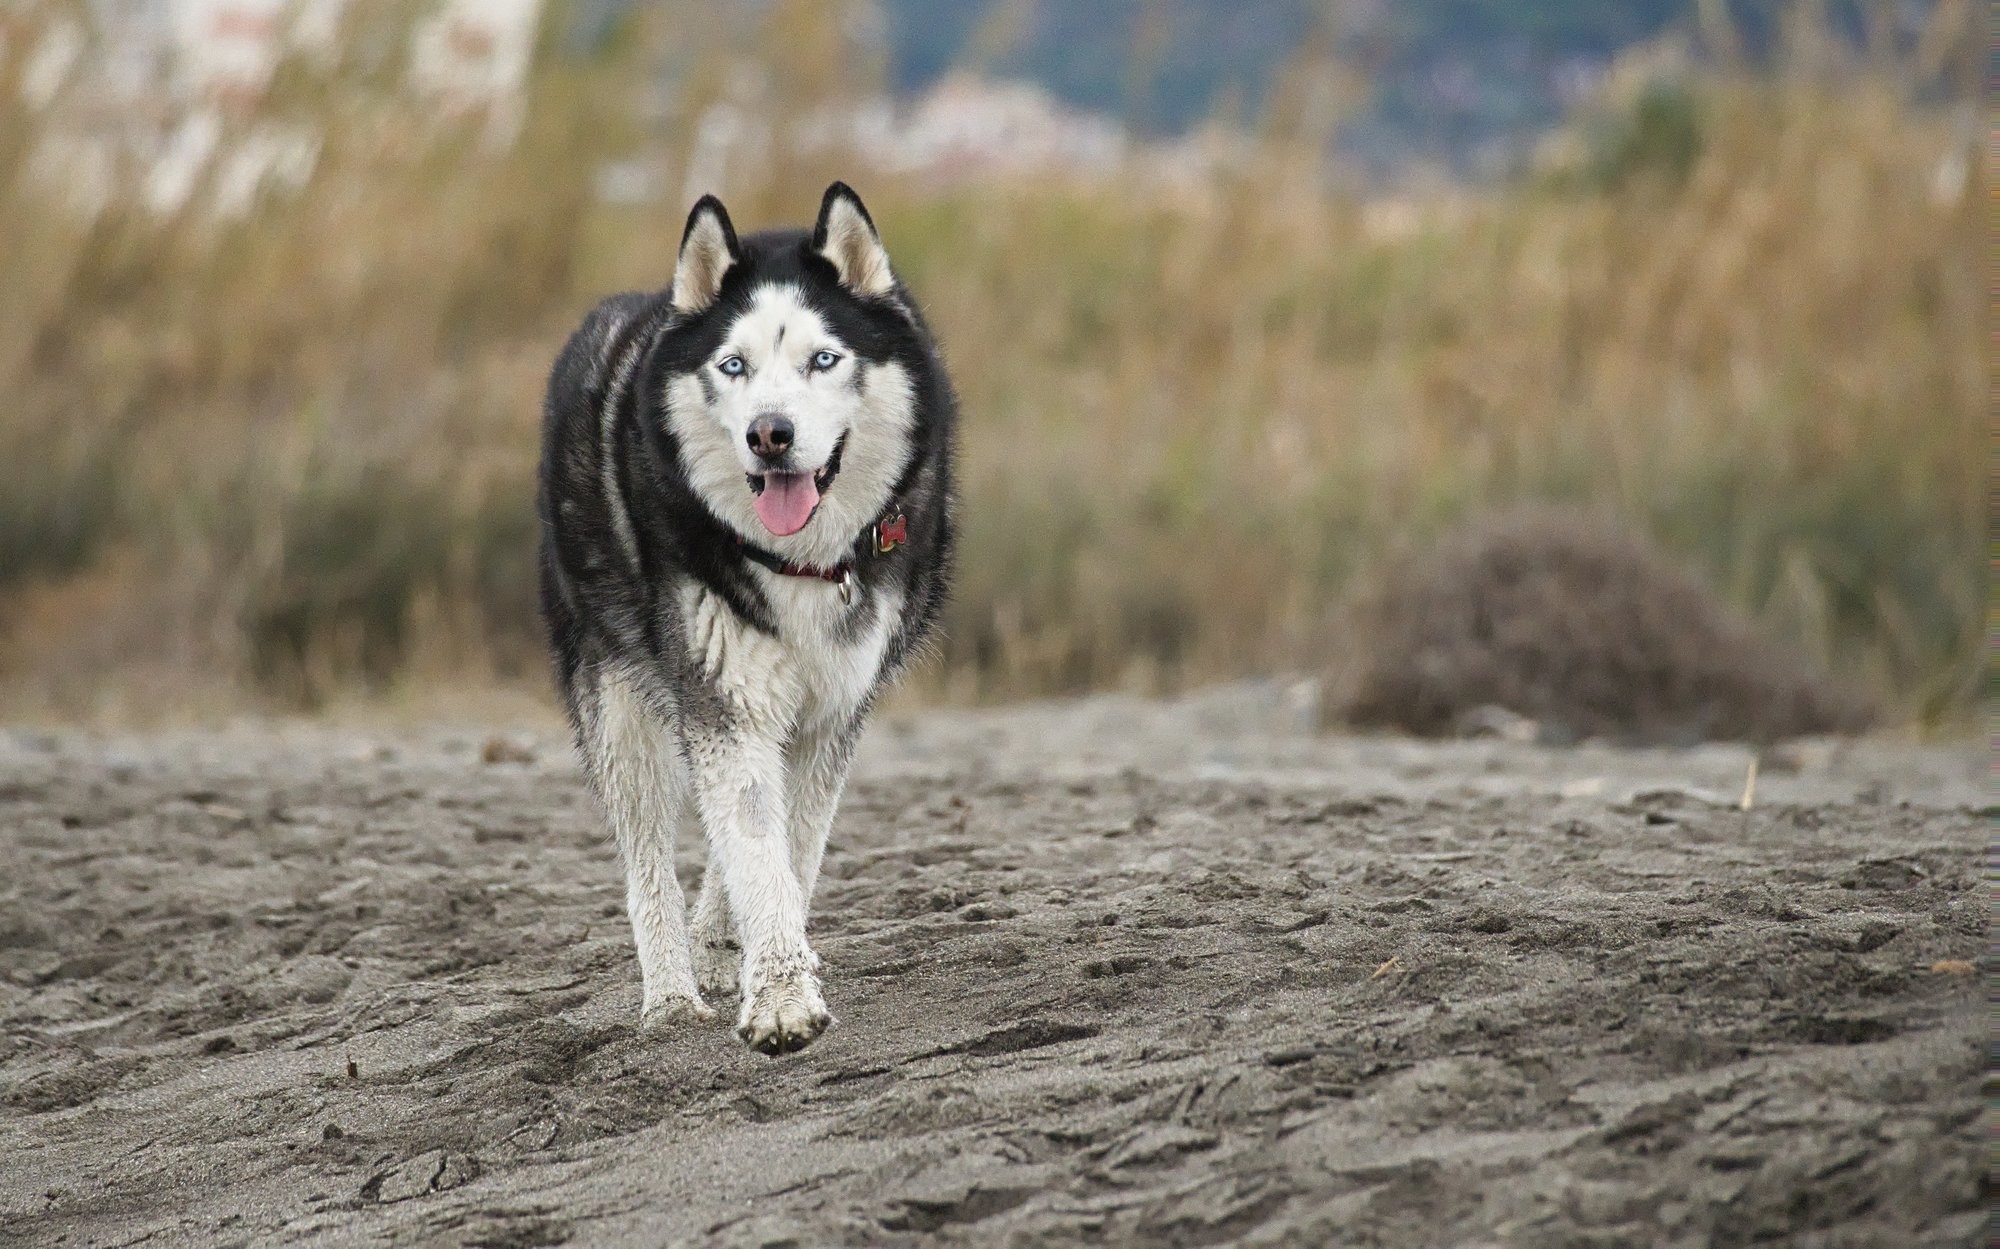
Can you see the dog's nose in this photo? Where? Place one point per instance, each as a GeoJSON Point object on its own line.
{"type": "Point", "coordinates": [770, 436]}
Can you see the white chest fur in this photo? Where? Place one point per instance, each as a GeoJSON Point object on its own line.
{"type": "Point", "coordinates": [813, 675]}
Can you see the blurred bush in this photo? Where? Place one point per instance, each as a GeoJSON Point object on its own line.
{"type": "Point", "coordinates": [292, 456]}
{"type": "Point", "coordinates": [1560, 616]}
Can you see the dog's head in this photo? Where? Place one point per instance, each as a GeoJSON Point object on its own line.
{"type": "Point", "coordinates": [789, 388]}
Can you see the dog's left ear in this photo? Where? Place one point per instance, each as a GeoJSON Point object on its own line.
{"type": "Point", "coordinates": [846, 236]}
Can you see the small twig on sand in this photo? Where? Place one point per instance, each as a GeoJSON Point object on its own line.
{"type": "Point", "coordinates": [1750, 786]}
{"type": "Point", "coordinates": [1393, 964]}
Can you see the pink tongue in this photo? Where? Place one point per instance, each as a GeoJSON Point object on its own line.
{"type": "Point", "coordinates": [787, 502]}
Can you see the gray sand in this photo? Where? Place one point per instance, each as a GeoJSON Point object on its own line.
{"type": "Point", "coordinates": [1122, 972]}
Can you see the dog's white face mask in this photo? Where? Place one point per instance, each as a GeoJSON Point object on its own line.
{"type": "Point", "coordinates": [785, 392]}
{"type": "Point", "coordinates": [784, 426]}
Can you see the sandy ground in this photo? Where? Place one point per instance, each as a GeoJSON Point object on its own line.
{"type": "Point", "coordinates": [1119, 972]}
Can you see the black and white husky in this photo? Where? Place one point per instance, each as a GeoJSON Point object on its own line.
{"type": "Point", "coordinates": [746, 531]}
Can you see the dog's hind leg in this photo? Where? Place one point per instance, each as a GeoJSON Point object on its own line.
{"type": "Point", "coordinates": [739, 789]}
{"type": "Point", "coordinates": [630, 752]}
{"type": "Point", "coordinates": [718, 956]}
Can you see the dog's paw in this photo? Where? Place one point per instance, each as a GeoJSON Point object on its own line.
{"type": "Point", "coordinates": [673, 1012]}
{"type": "Point", "coordinates": [716, 968]}
{"type": "Point", "coordinates": [784, 1016]}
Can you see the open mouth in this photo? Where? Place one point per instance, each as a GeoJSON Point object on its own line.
{"type": "Point", "coordinates": [785, 502]}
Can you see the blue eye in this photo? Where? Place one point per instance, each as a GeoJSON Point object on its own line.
{"type": "Point", "coordinates": [824, 360]}
{"type": "Point", "coordinates": [731, 366]}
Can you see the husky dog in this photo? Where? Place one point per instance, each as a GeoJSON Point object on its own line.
{"type": "Point", "coordinates": [745, 532]}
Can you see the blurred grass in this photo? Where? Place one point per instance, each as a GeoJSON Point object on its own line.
{"type": "Point", "coordinates": [293, 458]}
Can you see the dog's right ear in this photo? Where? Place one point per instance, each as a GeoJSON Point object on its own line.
{"type": "Point", "coordinates": [708, 249]}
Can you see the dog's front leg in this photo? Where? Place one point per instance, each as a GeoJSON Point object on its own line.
{"type": "Point", "coordinates": [629, 755]}
{"type": "Point", "coordinates": [816, 767]}
{"type": "Point", "coordinates": [739, 789]}
{"type": "Point", "coordinates": [818, 772]}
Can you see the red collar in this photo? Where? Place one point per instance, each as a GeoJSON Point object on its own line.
{"type": "Point", "coordinates": [884, 536]}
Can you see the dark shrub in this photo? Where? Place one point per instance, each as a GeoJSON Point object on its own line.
{"type": "Point", "coordinates": [1566, 618]}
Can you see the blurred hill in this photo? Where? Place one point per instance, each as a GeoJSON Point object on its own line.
{"type": "Point", "coordinates": [1453, 77]}
{"type": "Point", "coordinates": [1463, 83]}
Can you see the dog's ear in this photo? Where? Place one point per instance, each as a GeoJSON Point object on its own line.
{"type": "Point", "coordinates": [846, 236]}
{"type": "Point", "coordinates": [708, 248]}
